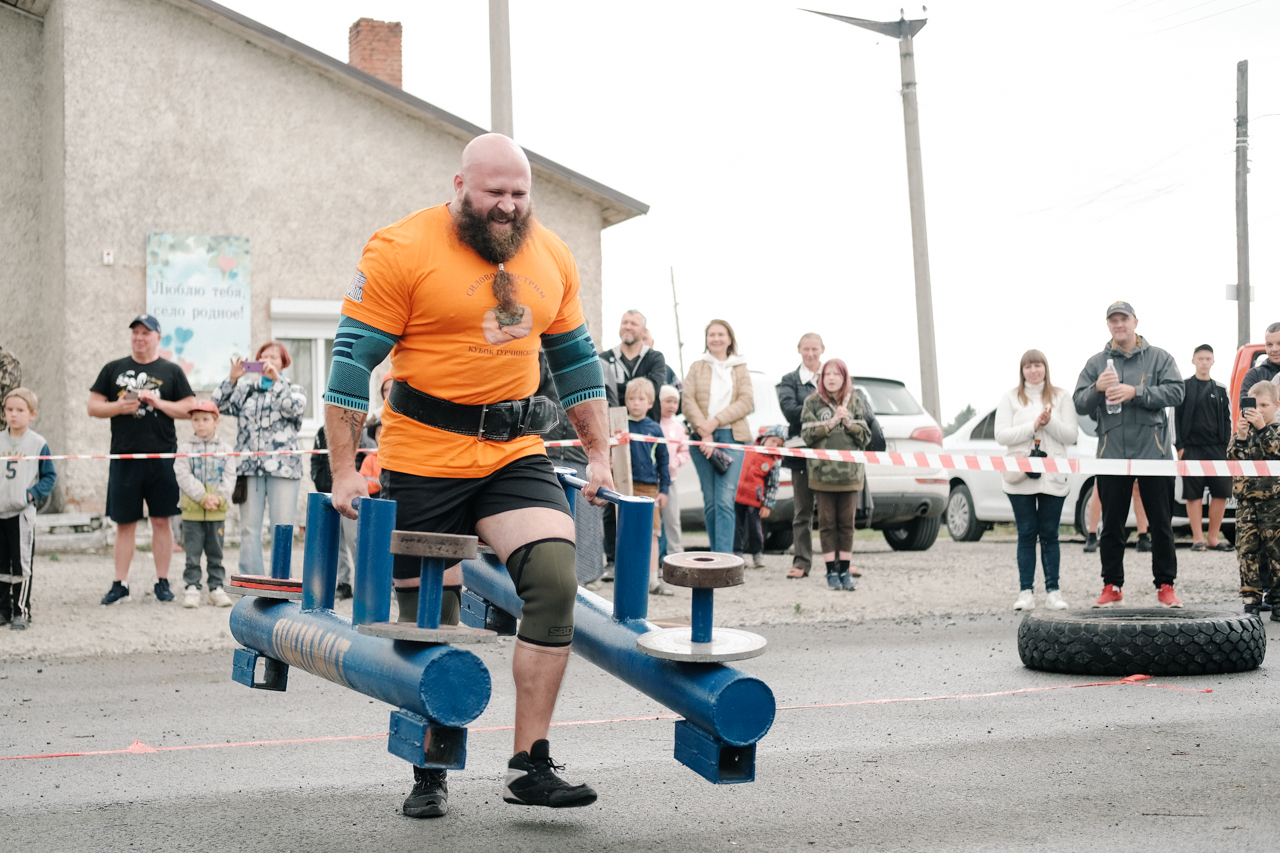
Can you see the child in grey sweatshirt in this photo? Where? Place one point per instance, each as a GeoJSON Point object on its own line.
{"type": "Point", "coordinates": [22, 483]}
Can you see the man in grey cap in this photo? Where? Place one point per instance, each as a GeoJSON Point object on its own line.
{"type": "Point", "coordinates": [1126, 388]}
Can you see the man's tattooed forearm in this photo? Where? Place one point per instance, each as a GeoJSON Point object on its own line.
{"type": "Point", "coordinates": [590, 422]}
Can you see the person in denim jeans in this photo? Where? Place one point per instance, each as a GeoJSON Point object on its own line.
{"type": "Point", "coordinates": [268, 409]}
{"type": "Point", "coordinates": [1036, 415]}
{"type": "Point", "coordinates": [717, 400]}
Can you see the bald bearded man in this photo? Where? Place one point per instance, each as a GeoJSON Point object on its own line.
{"type": "Point", "coordinates": [462, 296]}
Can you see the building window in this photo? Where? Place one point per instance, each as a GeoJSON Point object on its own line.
{"type": "Point", "coordinates": [306, 327]}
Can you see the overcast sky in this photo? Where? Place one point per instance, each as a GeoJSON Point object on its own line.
{"type": "Point", "coordinates": [1075, 153]}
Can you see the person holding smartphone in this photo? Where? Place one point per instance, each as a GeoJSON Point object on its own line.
{"type": "Point", "coordinates": [269, 409]}
{"type": "Point", "coordinates": [1257, 436]}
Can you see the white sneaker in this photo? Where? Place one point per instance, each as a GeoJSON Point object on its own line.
{"type": "Point", "coordinates": [757, 561]}
{"type": "Point", "coordinates": [657, 587]}
{"type": "Point", "coordinates": [1026, 601]}
{"type": "Point", "coordinates": [219, 598]}
{"type": "Point", "coordinates": [1055, 602]}
{"type": "Point", "coordinates": [191, 598]}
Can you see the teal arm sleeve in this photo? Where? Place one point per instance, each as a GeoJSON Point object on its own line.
{"type": "Point", "coordinates": [575, 367]}
{"type": "Point", "coordinates": [357, 349]}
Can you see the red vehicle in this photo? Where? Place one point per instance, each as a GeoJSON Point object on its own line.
{"type": "Point", "coordinates": [1246, 357]}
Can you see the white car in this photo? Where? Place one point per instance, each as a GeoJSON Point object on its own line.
{"type": "Point", "coordinates": [908, 503]}
{"type": "Point", "coordinates": [977, 500]}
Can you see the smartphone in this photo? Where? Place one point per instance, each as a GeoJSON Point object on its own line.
{"type": "Point", "coordinates": [1248, 403]}
{"type": "Point", "coordinates": [131, 395]}
{"type": "Point", "coordinates": [252, 366]}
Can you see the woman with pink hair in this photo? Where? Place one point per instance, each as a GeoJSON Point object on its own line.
{"type": "Point", "coordinates": [834, 418]}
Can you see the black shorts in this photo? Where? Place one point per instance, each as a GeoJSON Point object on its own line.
{"type": "Point", "coordinates": [453, 505]}
{"type": "Point", "coordinates": [131, 481]}
{"type": "Point", "coordinates": [1193, 487]}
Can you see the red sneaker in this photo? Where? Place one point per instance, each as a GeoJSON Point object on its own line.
{"type": "Point", "coordinates": [1111, 594]}
{"type": "Point", "coordinates": [1166, 597]}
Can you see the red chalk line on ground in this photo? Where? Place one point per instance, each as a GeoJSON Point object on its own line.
{"type": "Point", "coordinates": [140, 748]}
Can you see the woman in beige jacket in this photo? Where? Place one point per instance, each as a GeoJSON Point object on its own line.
{"type": "Point", "coordinates": [717, 400]}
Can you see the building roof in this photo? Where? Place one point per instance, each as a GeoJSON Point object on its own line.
{"type": "Point", "coordinates": [615, 206]}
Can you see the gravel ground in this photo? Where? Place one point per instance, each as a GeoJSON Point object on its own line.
{"type": "Point", "coordinates": [950, 579]}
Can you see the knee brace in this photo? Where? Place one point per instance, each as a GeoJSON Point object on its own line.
{"type": "Point", "coordinates": [450, 604]}
{"type": "Point", "coordinates": [545, 580]}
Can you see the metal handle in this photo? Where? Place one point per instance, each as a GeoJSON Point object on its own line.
{"type": "Point", "coordinates": [568, 478]}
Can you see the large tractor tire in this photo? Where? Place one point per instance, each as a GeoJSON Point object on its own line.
{"type": "Point", "coordinates": [1146, 642]}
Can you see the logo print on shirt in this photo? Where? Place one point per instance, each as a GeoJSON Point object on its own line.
{"type": "Point", "coordinates": [355, 290]}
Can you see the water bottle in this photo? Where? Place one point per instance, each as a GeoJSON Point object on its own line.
{"type": "Point", "coordinates": [1112, 408]}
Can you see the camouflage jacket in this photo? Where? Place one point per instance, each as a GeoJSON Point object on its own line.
{"type": "Point", "coordinates": [10, 378]}
{"type": "Point", "coordinates": [1261, 444]}
{"type": "Point", "coordinates": [827, 475]}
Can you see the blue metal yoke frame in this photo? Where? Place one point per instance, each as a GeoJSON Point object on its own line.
{"type": "Point", "coordinates": [726, 712]}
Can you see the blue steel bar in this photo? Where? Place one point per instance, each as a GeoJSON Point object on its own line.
{"type": "Point", "coordinates": [282, 551]}
{"type": "Point", "coordinates": [372, 581]}
{"type": "Point", "coordinates": [320, 555]}
{"type": "Point", "coordinates": [430, 591]}
{"type": "Point", "coordinates": [631, 562]}
{"type": "Point", "coordinates": [702, 613]}
{"type": "Point", "coordinates": [445, 684]}
{"type": "Point", "coordinates": [735, 707]}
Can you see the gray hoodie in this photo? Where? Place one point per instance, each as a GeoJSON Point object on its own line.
{"type": "Point", "coordinates": [1141, 429]}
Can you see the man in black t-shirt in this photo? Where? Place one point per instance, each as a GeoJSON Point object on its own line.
{"type": "Point", "coordinates": [142, 394]}
{"type": "Point", "coordinates": [1202, 423]}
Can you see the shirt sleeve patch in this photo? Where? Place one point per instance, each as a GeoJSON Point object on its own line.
{"type": "Point", "coordinates": [355, 290]}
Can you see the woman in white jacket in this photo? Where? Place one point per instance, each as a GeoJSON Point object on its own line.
{"type": "Point", "coordinates": [1036, 415]}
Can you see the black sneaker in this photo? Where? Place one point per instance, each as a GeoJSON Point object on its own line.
{"type": "Point", "coordinates": [532, 781]}
{"type": "Point", "coordinates": [5, 617]}
{"type": "Point", "coordinates": [343, 591]}
{"type": "Point", "coordinates": [1251, 606]}
{"type": "Point", "coordinates": [1091, 543]}
{"type": "Point", "coordinates": [1275, 615]}
{"type": "Point", "coordinates": [430, 794]}
{"type": "Point", "coordinates": [163, 593]}
{"type": "Point", "coordinates": [1144, 542]}
{"type": "Point", "coordinates": [118, 592]}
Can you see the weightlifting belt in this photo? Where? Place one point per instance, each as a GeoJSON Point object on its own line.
{"type": "Point", "coordinates": [489, 422]}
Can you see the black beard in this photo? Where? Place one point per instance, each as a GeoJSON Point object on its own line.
{"type": "Point", "coordinates": [495, 247]}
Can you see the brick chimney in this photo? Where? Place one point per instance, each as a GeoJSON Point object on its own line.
{"type": "Point", "coordinates": [374, 48]}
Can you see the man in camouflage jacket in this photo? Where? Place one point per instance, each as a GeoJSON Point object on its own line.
{"type": "Point", "coordinates": [10, 378]}
{"type": "Point", "coordinates": [1257, 436]}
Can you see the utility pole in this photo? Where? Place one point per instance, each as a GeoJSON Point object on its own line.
{"type": "Point", "coordinates": [675, 306]}
{"type": "Point", "coordinates": [904, 31]}
{"type": "Point", "coordinates": [1242, 200]}
{"type": "Point", "coordinates": [501, 120]}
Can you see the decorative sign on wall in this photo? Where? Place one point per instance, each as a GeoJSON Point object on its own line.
{"type": "Point", "coordinates": [198, 287]}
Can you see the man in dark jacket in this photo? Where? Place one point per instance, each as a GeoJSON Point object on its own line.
{"type": "Point", "coordinates": [1203, 427]}
{"type": "Point", "coordinates": [792, 391]}
{"type": "Point", "coordinates": [630, 359]}
{"type": "Point", "coordinates": [1269, 369]}
{"type": "Point", "coordinates": [1142, 382]}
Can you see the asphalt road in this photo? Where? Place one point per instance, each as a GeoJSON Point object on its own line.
{"type": "Point", "coordinates": [1122, 767]}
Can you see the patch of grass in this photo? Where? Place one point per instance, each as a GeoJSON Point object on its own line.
{"type": "Point", "coordinates": [799, 609]}
{"type": "Point", "coordinates": [54, 558]}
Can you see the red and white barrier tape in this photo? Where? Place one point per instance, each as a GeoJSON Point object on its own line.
{"type": "Point", "coordinates": [1024, 464]}
{"type": "Point", "coordinates": [945, 461]}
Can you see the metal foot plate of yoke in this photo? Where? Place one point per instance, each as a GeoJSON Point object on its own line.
{"type": "Point", "coordinates": [453, 635]}
{"type": "Point", "coordinates": [677, 644]}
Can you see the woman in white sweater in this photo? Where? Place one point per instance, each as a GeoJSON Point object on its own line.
{"type": "Point", "coordinates": [1036, 415]}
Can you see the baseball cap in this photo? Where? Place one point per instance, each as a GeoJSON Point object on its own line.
{"type": "Point", "coordinates": [147, 320]}
{"type": "Point", "coordinates": [1121, 308]}
{"type": "Point", "coordinates": [203, 406]}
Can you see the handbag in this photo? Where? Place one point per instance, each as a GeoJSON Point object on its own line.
{"type": "Point", "coordinates": [240, 493]}
{"type": "Point", "coordinates": [719, 460]}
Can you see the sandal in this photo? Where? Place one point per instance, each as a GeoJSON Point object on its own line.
{"type": "Point", "coordinates": [1199, 546]}
{"type": "Point", "coordinates": [853, 572]}
{"type": "Point", "coordinates": [797, 572]}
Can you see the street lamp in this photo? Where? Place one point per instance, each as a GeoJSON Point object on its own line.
{"type": "Point", "coordinates": [903, 30]}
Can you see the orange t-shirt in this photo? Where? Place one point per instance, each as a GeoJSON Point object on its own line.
{"type": "Point", "coordinates": [436, 293]}
{"type": "Point", "coordinates": [372, 473]}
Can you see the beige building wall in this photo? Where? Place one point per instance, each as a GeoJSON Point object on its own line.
{"type": "Point", "coordinates": [174, 121]}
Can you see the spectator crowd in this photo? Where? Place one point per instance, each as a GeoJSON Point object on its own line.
{"type": "Point", "coordinates": [1126, 388]}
